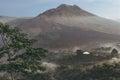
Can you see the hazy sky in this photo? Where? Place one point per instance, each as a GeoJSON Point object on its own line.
{"type": "Point", "coordinates": [26, 8]}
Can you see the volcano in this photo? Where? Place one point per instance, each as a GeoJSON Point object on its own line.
{"type": "Point", "coordinates": [69, 26]}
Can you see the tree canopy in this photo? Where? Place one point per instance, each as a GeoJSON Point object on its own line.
{"type": "Point", "coordinates": [17, 56]}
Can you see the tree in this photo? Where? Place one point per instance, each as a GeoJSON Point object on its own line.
{"type": "Point", "coordinates": [79, 52]}
{"type": "Point", "coordinates": [114, 53]}
{"type": "Point", "coordinates": [20, 58]}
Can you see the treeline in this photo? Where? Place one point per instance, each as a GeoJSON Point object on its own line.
{"type": "Point", "coordinates": [97, 72]}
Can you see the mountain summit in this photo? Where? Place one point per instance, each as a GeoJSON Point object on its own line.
{"type": "Point", "coordinates": [67, 10]}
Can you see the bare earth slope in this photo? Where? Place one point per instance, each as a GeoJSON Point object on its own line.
{"type": "Point", "coordinates": [68, 27]}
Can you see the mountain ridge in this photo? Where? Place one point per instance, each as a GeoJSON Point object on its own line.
{"type": "Point", "coordinates": [66, 10]}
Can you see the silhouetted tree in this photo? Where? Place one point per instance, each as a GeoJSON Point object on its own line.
{"type": "Point", "coordinates": [79, 52]}
{"type": "Point", "coordinates": [114, 52]}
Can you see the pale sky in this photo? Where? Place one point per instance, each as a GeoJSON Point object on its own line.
{"type": "Point", "coordinates": [29, 8]}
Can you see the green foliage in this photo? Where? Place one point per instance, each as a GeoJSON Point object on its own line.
{"type": "Point", "coordinates": [105, 72]}
{"type": "Point", "coordinates": [21, 57]}
{"type": "Point", "coordinates": [38, 76]}
{"type": "Point", "coordinates": [98, 72]}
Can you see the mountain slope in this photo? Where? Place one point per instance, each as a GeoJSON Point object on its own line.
{"type": "Point", "coordinates": [68, 27]}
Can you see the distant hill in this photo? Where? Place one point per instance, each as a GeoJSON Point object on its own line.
{"type": "Point", "coordinates": [69, 27]}
{"type": "Point", "coordinates": [5, 19]}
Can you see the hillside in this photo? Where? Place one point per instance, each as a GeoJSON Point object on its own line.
{"type": "Point", "coordinates": [6, 19]}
